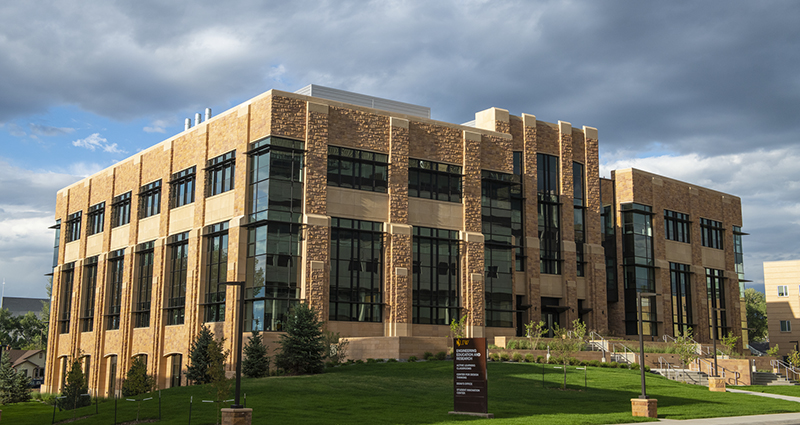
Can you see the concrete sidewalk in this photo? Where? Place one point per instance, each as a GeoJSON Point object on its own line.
{"type": "Point", "coordinates": [777, 419]}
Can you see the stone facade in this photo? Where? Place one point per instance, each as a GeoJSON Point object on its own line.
{"type": "Point", "coordinates": [488, 145]}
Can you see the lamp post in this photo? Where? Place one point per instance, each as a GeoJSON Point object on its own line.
{"type": "Point", "coordinates": [639, 296]}
{"type": "Point", "coordinates": [238, 328]}
{"type": "Point", "coordinates": [714, 339]}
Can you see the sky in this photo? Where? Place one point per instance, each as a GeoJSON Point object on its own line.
{"type": "Point", "coordinates": [704, 92]}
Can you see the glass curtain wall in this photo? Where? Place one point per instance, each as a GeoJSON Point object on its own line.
{"type": "Point", "coordinates": [549, 214]}
{"type": "Point", "coordinates": [638, 267]}
{"type": "Point", "coordinates": [499, 249]}
{"type": "Point", "coordinates": [435, 294]}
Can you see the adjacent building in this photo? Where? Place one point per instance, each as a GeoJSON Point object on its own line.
{"type": "Point", "coordinates": [388, 223]}
{"type": "Point", "coordinates": [782, 290]}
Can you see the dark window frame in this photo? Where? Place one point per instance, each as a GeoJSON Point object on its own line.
{"type": "Point", "coordinates": [221, 174]}
{"type": "Point", "coordinates": [67, 282]}
{"type": "Point", "coordinates": [121, 210]}
{"type": "Point", "coordinates": [142, 300]}
{"type": "Point", "coordinates": [681, 284]}
{"type": "Point", "coordinates": [175, 305]}
{"type": "Point", "coordinates": [434, 180]}
{"type": "Point", "coordinates": [549, 208]}
{"type": "Point", "coordinates": [150, 199]}
{"type": "Point", "coordinates": [677, 226]}
{"type": "Point", "coordinates": [95, 219]}
{"type": "Point", "coordinates": [88, 294]}
{"type": "Point", "coordinates": [73, 223]}
{"type": "Point", "coordinates": [361, 162]}
{"type": "Point", "coordinates": [182, 187]}
{"type": "Point", "coordinates": [357, 276]}
{"type": "Point", "coordinates": [216, 261]}
{"type": "Point", "coordinates": [116, 270]}
{"type": "Point", "coordinates": [441, 267]}
{"type": "Point", "coordinates": [712, 233]}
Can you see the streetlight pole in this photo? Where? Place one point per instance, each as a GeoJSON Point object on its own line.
{"type": "Point", "coordinates": [639, 296]}
{"type": "Point", "coordinates": [714, 338]}
{"type": "Point", "coordinates": [238, 328]}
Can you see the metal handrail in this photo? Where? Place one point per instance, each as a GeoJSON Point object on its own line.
{"type": "Point", "coordinates": [702, 350]}
{"type": "Point", "coordinates": [736, 375]}
{"type": "Point", "coordinates": [756, 351]}
{"type": "Point", "coordinates": [625, 352]}
{"type": "Point", "coordinates": [777, 364]}
{"type": "Point", "coordinates": [594, 336]}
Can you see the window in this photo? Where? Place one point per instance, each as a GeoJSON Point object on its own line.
{"type": "Point", "coordinates": [608, 219]}
{"type": "Point", "coordinates": [150, 199]}
{"type": "Point", "coordinates": [276, 180]}
{"type": "Point", "coordinates": [711, 232]}
{"type": "Point", "coordinates": [74, 227]}
{"type": "Point", "coordinates": [432, 180]}
{"type": "Point", "coordinates": [579, 213]}
{"type": "Point", "coordinates": [95, 219]}
{"type": "Point", "coordinates": [356, 169]}
{"type": "Point", "coordinates": [549, 214]}
{"type": "Point", "coordinates": [175, 376]}
{"type": "Point", "coordinates": [500, 194]}
{"type": "Point", "coordinates": [356, 270]}
{"type": "Point", "coordinates": [216, 238]}
{"type": "Point", "coordinates": [220, 172]}
{"type": "Point", "coordinates": [178, 266]}
{"type": "Point", "coordinates": [435, 257]}
{"type": "Point", "coordinates": [786, 326]}
{"type": "Point", "coordinates": [182, 188]}
{"type": "Point", "coordinates": [716, 302]}
{"type": "Point", "coordinates": [681, 298]}
{"type": "Point", "coordinates": [57, 241]}
{"type": "Point", "coordinates": [677, 226]}
{"type": "Point", "coordinates": [144, 284]}
{"type": "Point", "coordinates": [783, 291]}
{"type": "Point", "coordinates": [738, 254]}
{"type": "Point", "coordinates": [121, 210]}
{"type": "Point", "coordinates": [88, 294]}
{"type": "Point", "coordinates": [67, 276]}
{"type": "Point", "coordinates": [115, 272]}
{"type": "Point", "coordinates": [638, 266]}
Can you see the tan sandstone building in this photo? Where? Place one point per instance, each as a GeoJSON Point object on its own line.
{"type": "Point", "coordinates": [389, 224]}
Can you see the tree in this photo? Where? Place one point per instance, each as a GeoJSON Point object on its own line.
{"type": "Point", "coordinates": [566, 342]}
{"type": "Point", "coordinates": [729, 345]}
{"type": "Point", "coordinates": [138, 381]}
{"type": "Point", "coordinates": [756, 306]}
{"type": "Point", "coordinates": [686, 347]}
{"type": "Point", "coordinates": [794, 358]}
{"type": "Point", "coordinates": [75, 388]}
{"type": "Point", "coordinates": [13, 386]}
{"type": "Point", "coordinates": [200, 355]}
{"type": "Point", "coordinates": [458, 328]}
{"type": "Point", "coordinates": [9, 328]}
{"type": "Point", "coordinates": [303, 345]}
{"type": "Point", "coordinates": [216, 370]}
{"type": "Point", "coordinates": [256, 361]}
{"type": "Point", "coordinates": [534, 332]}
{"type": "Point", "coordinates": [32, 332]}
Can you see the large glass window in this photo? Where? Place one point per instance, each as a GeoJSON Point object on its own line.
{"type": "Point", "coordinates": [150, 199]}
{"type": "Point", "coordinates": [716, 302]}
{"type": "Point", "coordinates": [220, 172]}
{"type": "Point", "coordinates": [121, 210]}
{"type": "Point", "coordinates": [144, 284]}
{"type": "Point", "coordinates": [432, 180]}
{"type": "Point", "coordinates": [116, 266]}
{"type": "Point", "coordinates": [216, 238]}
{"type": "Point", "coordinates": [357, 169]}
{"type": "Point", "coordinates": [435, 256]}
{"type": "Point", "coordinates": [579, 213]}
{"type": "Point", "coordinates": [178, 266]}
{"type": "Point", "coordinates": [738, 253]}
{"type": "Point", "coordinates": [711, 232]}
{"type": "Point", "coordinates": [608, 226]}
{"type": "Point", "coordinates": [681, 298]}
{"type": "Point", "coordinates": [74, 226]}
{"type": "Point", "coordinates": [638, 266]}
{"type": "Point", "coordinates": [498, 193]}
{"type": "Point", "coordinates": [549, 214]}
{"type": "Point", "coordinates": [56, 242]}
{"type": "Point", "coordinates": [182, 188]}
{"type": "Point", "coordinates": [677, 226]}
{"type": "Point", "coordinates": [273, 257]}
{"type": "Point", "coordinates": [356, 270]}
{"type": "Point", "coordinates": [95, 219]}
{"type": "Point", "coordinates": [276, 176]}
{"type": "Point", "coordinates": [88, 294]}
{"type": "Point", "coordinates": [67, 276]}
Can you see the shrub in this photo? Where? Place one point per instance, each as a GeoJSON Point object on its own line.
{"type": "Point", "coordinates": [303, 345]}
{"type": "Point", "coordinates": [391, 360]}
{"type": "Point", "coordinates": [256, 361]}
{"type": "Point", "coordinates": [594, 363]}
{"type": "Point", "coordinates": [137, 381]}
{"type": "Point", "coordinates": [539, 359]}
{"type": "Point", "coordinates": [494, 357]}
{"type": "Point", "coordinates": [646, 368]}
{"type": "Point", "coordinates": [428, 355]}
{"type": "Point", "coordinates": [517, 357]}
{"type": "Point", "coordinates": [412, 358]}
{"type": "Point", "coordinates": [504, 357]}
{"type": "Point", "coordinates": [331, 364]}
{"type": "Point", "coordinates": [359, 361]}
{"type": "Point", "coordinates": [613, 365]}
{"type": "Point", "coordinates": [371, 361]}
{"type": "Point", "coordinates": [529, 358]}
{"type": "Point", "coordinates": [441, 355]}
{"type": "Point", "coordinates": [634, 366]}
{"type": "Point", "coordinates": [74, 389]}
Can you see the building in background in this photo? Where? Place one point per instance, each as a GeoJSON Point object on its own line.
{"type": "Point", "coordinates": [782, 290]}
{"type": "Point", "coordinates": [388, 223]}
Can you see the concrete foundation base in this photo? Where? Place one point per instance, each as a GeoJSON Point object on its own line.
{"type": "Point", "coordinates": [480, 415]}
{"type": "Point", "coordinates": [716, 384]}
{"type": "Point", "coordinates": [644, 407]}
{"type": "Point", "coordinates": [237, 416]}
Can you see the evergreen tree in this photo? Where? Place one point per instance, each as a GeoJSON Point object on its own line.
{"type": "Point", "coordinates": [137, 381]}
{"type": "Point", "coordinates": [74, 389]}
{"type": "Point", "coordinates": [256, 361]}
{"type": "Point", "coordinates": [303, 346]}
{"type": "Point", "coordinates": [220, 384]}
{"type": "Point", "coordinates": [14, 386]}
{"type": "Point", "coordinates": [201, 356]}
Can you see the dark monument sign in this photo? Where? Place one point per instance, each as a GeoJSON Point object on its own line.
{"type": "Point", "coordinates": [469, 376]}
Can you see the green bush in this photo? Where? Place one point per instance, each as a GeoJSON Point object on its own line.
{"type": "Point", "coordinates": [371, 361]}
{"type": "Point", "coordinates": [613, 365]}
{"type": "Point", "coordinates": [441, 355]}
{"type": "Point", "coordinates": [529, 358]}
{"type": "Point", "coordinates": [594, 363]}
{"type": "Point", "coordinates": [137, 381]}
{"type": "Point", "coordinates": [494, 357]}
{"type": "Point", "coordinates": [391, 360]}
{"type": "Point", "coordinates": [428, 355]}
{"type": "Point", "coordinates": [330, 363]}
{"type": "Point", "coordinates": [518, 344]}
{"type": "Point", "coordinates": [634, 366]}
{"type": "Point", "coordinates": [359, 361]}
{"type": "Point", "coordinates": [412, 358]}
{"type": "Point", "coordinates": [517, 357]}
{"type": "Point", "coordinates": [504, 357]}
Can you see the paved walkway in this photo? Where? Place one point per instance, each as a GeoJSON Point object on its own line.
{"type": "Point", "coordinates": [777, 419]}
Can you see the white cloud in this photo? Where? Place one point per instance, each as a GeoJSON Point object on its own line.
{"type": "Point", "coordinates": [157, 126]}
{"type": "Point", "coordinates": [96, 141]}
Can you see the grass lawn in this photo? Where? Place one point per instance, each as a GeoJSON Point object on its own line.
{"type": "Point", "coordinates": [422, 393]}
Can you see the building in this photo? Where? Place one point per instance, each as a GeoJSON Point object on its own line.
{"type": "Point", "coordinates": [29, 363]}
{"type": "Point", "coordinates": [782, 290]}
{"type": "Point", "coordinates": [19, 306]}
{"type": "Point", "coordinates": [388, 223]}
